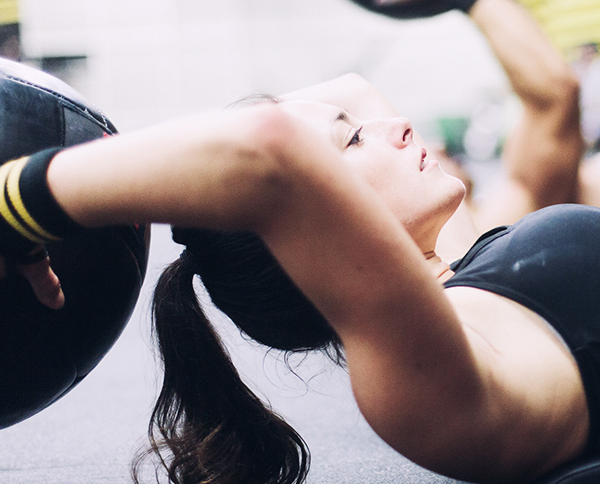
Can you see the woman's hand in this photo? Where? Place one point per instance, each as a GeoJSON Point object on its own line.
{"type": "Point", "coordinates": [43, 280]}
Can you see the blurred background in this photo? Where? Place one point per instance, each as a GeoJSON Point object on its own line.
{"type": "Point", "coordinates": [146, 61]}
{"type": "Point", "coordinates": [143, 61]}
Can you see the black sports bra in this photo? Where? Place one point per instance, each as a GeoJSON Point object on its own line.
{"type": "Point", "coordinates": [549, 262]}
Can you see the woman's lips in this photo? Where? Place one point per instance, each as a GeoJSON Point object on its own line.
{"type": "Point", "coordinates": [427, 164]}
{"type": "Point", "coordinates": [423, 161]}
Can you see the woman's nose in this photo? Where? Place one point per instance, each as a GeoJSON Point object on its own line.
{"type": "Point", "coordinates": [397, 131]}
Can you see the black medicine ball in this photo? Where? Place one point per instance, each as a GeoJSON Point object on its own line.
{"type": "Point", "coordinates": [44, 353]}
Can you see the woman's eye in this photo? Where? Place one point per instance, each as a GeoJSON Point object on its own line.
{"type": "Point", "coordinates": [356, 138]}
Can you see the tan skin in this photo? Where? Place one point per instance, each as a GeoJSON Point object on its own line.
{"type": "Point", "coordinates": [461, 381]}
{"type": "Point", "coordinates": [431, 371]}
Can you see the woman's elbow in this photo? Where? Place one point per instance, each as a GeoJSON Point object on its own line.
{"type": "Point", "coordinates": [568, 88]}
{"type": "Point", "coordinates": [265, 165]}
{"type": "Point", "coordinates": [562, 92]}
{"type": "Point", "coordinates": [270, 131]}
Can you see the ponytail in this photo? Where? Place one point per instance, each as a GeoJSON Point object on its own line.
{"type": "Point", "coordinates": [207, 426]}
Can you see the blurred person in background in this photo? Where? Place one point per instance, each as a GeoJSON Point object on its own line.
{"type": "Point", "coordinates": [587, 67]}
{"type": "Point", "coordinates": [574, 29]}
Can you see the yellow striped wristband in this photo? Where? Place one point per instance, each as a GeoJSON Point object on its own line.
{"type": "Point", "coordinates": [29, 214]}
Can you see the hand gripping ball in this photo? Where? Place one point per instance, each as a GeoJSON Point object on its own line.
{"type": "Point", "coordinates": [44, 353]}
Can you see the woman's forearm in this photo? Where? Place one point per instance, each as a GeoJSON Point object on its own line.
{"type": "Point", "coordinates": [213, 170]}
{"type": "Point", "coordinates": [536, 70]}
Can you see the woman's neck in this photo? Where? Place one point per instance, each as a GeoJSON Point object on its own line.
{"type": "Point", "coordinates": [440, 269]}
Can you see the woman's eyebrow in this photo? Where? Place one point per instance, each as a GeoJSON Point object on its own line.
{"type": "Point", "coordinates": [334, 130]}
{"type": "Point", "coordinates": [343, 116]}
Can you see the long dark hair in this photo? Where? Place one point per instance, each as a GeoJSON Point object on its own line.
{"type": "Point", "coordinates": [207, 426]}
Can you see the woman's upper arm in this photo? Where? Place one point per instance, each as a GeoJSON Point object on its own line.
{"type": "Point", "coordinates": [412, 369]}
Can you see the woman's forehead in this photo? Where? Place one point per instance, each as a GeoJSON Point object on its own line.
{"type": "Point", "coordinates": [314, 109]}
{"type": "Point", "coordinates": [325, 118]}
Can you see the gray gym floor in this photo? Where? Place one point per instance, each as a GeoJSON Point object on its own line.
{"type": "Point", "coordinates": [90, 435]}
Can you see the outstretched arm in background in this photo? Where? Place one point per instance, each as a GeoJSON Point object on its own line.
{"type": "Point", "coordinates": [543, 152]}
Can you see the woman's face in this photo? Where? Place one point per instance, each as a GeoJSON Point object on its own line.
{"type": "Point", "coordinates": [385, 154]}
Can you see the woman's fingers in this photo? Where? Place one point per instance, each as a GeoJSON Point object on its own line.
{"type": "Point", "coordinates": [35, 267]}
{"type": "Point", "coordinates": [44, 282]}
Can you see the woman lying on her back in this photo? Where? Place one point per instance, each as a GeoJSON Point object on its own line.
{"type": "Point", "coordinates": [315, 227]}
